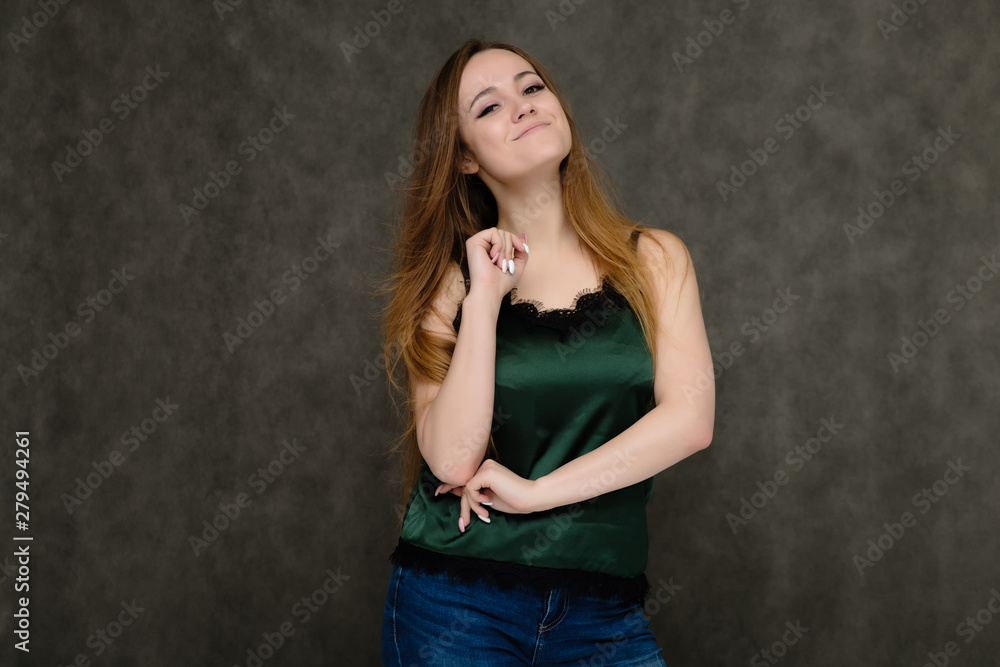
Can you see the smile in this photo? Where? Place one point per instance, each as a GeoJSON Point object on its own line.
{"type": "Point", "coordinates": [532, 130]}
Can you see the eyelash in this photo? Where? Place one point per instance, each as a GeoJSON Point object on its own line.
{"type": "Point", "coordinates": [534, 85]}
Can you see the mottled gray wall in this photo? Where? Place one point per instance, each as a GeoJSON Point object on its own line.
{"type": "Point", "coordinates": [120, 346]}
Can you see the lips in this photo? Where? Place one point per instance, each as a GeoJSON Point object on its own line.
{"type": "Point", "coordinates": [528, 129]}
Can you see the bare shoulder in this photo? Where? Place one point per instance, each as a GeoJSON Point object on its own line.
{"type": "Point", "coordinates": [663, 254]}
{"type": "Point", "coordinates": [444, 308]}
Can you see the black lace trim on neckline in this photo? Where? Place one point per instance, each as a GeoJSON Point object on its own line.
{"type": "Point", "coordinates": [540, 307]}
{"type": "Point", "coordinates": [511, 576]}
{"type": "Point", "coordinates": [587, 305]}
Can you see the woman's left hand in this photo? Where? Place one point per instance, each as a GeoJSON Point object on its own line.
{"type": "Point", "coordinates": [504, 490]}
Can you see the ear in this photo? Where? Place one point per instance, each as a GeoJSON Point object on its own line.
{"type": "Point", "coordinates": [467, 164]}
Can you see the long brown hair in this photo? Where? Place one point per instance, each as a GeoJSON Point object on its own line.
{"type": "Point", "coordinates": [442, 208]}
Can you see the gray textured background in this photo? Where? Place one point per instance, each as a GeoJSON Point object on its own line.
{"type": "Point", "coordinates": [324, 176]}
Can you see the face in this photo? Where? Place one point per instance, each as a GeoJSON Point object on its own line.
{"type": "Point", "coordinates": [500, 100]}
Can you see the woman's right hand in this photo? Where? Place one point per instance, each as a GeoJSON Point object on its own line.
{"type": "Point", "coordinates": [489, 251]}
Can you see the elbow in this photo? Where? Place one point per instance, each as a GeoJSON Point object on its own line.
{"type": "Point", "coordinates": [453, 473]}
{"type": "Point", "coordinates": [703, 426]}
{"type": "Point", "coordinates": [455, 465]}
{"type": "Point", "coordinates": [445, 467]}
{"type": "Point", "coordinates": [704, 441]}
{"type": "Point", "coordinates": [703, 434]}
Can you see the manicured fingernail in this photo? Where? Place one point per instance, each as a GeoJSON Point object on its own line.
{"type": "Point", "coordinates": [485, 503]}
{"type": "Point", "coordinates": [505, 265]}
{"type": "Point", "coordinates": [486, 519]}
{"type": "Point", "coordinates": [526, 249]}
{"type": "Point", "coordinates": [438, 490]}
{"type": "Point", "coordinates": [461, 524]}
{"type": "Point", "coordinates": [511, 267]}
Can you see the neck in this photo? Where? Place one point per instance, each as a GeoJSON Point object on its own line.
{"type": "Point", "coordinates": [534, 207]}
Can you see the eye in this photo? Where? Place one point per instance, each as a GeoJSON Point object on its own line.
{"type": "Point", "coordinates": [486, 110]}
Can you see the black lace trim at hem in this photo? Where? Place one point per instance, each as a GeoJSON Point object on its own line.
{"type": "Point", "coordinates": [510, 576]}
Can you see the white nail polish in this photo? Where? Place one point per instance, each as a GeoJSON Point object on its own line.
{"type": "Point", "coordinates": [526, 249]}
{"type": "Point", "coordinates": [511, 267]}
{"type": "Point", "coordinates": [485, 503]}
{"type": "Point", "coordinates": [481, 518]}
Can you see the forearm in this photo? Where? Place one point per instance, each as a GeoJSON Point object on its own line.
{"type": "Point", "coordinates": [457, 426]}
{"type": "Point", "coordinates": [658, 440]}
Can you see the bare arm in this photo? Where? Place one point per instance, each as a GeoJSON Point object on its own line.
{"type": "Point", "coordinates": [454, 418]}
{"type": "Point", "coordinates": [682, 422]}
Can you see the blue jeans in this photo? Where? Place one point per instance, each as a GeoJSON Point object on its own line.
{"type": "Point", "coordinates": [429, 620]}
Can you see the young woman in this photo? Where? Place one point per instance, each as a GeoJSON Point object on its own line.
{"type": "Point", "coordinates": [543, 394]}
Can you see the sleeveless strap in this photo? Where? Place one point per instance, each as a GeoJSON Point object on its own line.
{"type": "Point", "coordinates": [468, 280]}
{"type": "Point", "coordinates": [634, 239]}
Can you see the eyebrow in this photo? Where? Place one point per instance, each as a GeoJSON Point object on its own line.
{"type": "Point", "coordinates": [492, 89]}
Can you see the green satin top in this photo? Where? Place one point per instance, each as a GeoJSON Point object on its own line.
{"type": "Point", "coordinates": [567, 381]}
